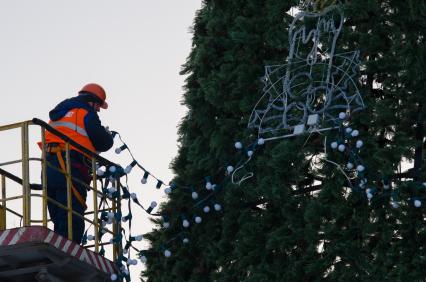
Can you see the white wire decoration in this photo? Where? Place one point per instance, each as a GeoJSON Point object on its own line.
{"type": "Point", "coordinates": [308, 92]}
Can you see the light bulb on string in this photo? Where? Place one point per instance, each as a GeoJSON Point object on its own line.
{"type": "Point", "coordinates": [260, 141]}
{"type": "Point", "coordinates": [151, 207]}
{"type": "Point", "coordinates": [417, 203]}
{"type": "Point", "coordinates": [355, 133]}
{"type": "Point", "coordinates": [120, 149]}
{"type": "Point", "coordinates": [206, 209]}
{"type": "Point", "coordinates": [159, 184]}
{"type": "Point", "coordinates": [167, 253]}
{"type": "Point", "coordinates": [129, 168]}
{"type": "Point", "coordinates": [334, 145]}
{"type": "Point", "coordinates": [359, 144]}
{"type": "Point", "coordinates": [217, 207]}
{"type": "Point", "coordinates": [229, 168]}
{"type": "Point", "coordinates": [145, 177]}
{"type": "Point", "coordinates": [185, 223]}
{"type": "Point", "coordinates": [198, 219]}
{"type": "Point", "coordinates": [194, 195]}
{"type": "Point", "coordinates": [238, 145]}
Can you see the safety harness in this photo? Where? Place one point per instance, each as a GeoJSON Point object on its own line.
{"type": "Point", "coordinates": [58, 151]}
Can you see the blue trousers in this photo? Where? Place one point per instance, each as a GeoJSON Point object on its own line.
{"type": "Point", "coordinates": [57, 190]}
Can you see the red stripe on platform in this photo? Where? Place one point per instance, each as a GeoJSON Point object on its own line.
{"type": "Point", "coordinates": [43, 235]}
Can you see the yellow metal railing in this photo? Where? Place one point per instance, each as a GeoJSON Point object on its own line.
{"type": "Point", "coordinates": [25, 214]}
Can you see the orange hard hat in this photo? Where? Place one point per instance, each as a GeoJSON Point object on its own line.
{"type": "Point", "coordinates": [96, 90]}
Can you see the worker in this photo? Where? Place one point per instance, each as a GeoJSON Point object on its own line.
{"type": "Point", "coordinates": [78, 119]}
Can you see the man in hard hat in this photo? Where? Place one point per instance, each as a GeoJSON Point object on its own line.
{"type": "Point", "coordinates": [78, 119]}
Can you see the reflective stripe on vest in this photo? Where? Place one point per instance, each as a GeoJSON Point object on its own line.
{"type": "Point", "coordinates": [70, 125]}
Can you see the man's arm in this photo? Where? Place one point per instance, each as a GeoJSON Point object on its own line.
{"type": "Point", "coordinates": [100, 137]}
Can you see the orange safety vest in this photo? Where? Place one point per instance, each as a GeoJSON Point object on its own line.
{"type": "Point", "coordinates": [71, 125]}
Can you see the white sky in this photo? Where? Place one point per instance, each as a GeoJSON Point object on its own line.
{"type": "Point", "coordinates": [50, 48]}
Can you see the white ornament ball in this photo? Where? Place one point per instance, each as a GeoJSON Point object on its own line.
{"type": "Point", "coordinates": [355, 133]}
{"type": "Point", "coordinates": [230, 168]}
{"type": "Point", "coordinates": [341, 148]}
{"type": "Point", "coordinates": [250, 153]}
{"type": "Point", "coordinates": [417, 203]}
{"type": "Point", "coordinates": [112, 169]}
{"type": "Point", "coordinates": [260, 141]}
{"type": "Point", "coordinates": [194, 195]}
{"type": "Point", "coordinates": [167, 253]}
{"type": "Point", "coordinates": [217, 207]}
{"type": "Point", "coordinates": [238, 145]}
{"type": "Point", "coordinates": [348, 130]}
{"type": "Point", "coordinates": [334, 145]}
{"type": "Point", "coordinates": [349, 165]}
{"type": "Point", "coordinates": [359, 144]}
{"type": "Point", "coordinates": [198, 219]}
{"type": "Point", "coordinates": [360, 168]}
{"type": "Point", "coordinates": [185, 223]}
{"type": "Point", "coordinates": [342, 115]}
{"type": "Point", "coordinates": [206, 209]}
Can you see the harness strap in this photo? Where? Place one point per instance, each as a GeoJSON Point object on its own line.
{"type": "Point", "coordinates": [58, 151]}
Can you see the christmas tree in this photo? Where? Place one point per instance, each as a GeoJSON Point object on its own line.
{"type": "Point", "coordinates": [312, 210]}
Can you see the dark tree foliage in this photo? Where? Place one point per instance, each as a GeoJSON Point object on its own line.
{"type": "Point", "coordinates": [295, 221]}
